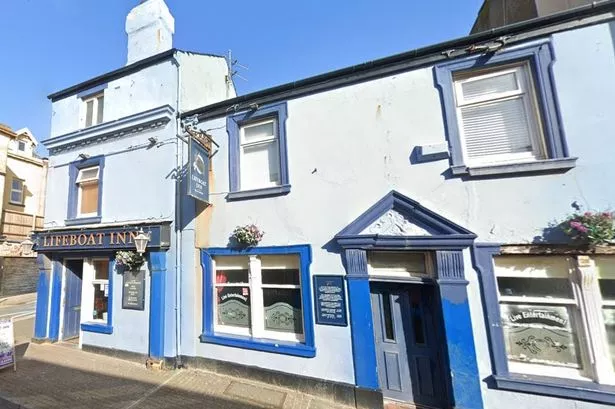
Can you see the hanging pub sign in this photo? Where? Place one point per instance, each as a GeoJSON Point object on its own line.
{"type": "Point", "coordinates": [133, 290]}
{"type": "Point", "coordinates": [7, 344]}
{"type": "Point", "coordinates": [198, 171]}
{"type": "Point", "coordinates": [100, 239]}
{"type": "Point", "coordinates": [330, 300]}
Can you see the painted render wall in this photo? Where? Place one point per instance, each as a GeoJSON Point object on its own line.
{"type": "Point", "coordinates": [348, 147]}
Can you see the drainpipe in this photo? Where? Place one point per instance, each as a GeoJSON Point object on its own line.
{"type": "Point", "coordinates": [179, 161]}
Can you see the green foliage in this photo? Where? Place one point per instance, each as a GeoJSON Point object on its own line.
{"type": "Point", "coordinates": [129, 260]}
{"type": "Point", "coordinates": [593, 228]}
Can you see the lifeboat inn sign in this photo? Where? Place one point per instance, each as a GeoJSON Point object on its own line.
{"type": "Point", "coordinates": [100, 239]}
{"type": "Point", "coordinates": [198, 172]}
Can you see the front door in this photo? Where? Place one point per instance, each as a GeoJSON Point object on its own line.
{"type": "Point", "coordinates": [72, 298]}
{"type": "Point", "coordinates": [408, 346]}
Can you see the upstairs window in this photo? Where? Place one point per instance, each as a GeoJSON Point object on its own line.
{"type": "Point", "coordinates": [501, 114]}
{"type": "Point", "coordinates": [498, 117]}
{"type": "Point", "coordinates": [21, 146]}
{"type": "Point", "coordinates": [16, 192]}
{"type": "Point", "coordinates": [87, 189]}
{"type": "Point", "coordinates": [259, 155]}
{"type": "Point", "coordinates": [94, 107]}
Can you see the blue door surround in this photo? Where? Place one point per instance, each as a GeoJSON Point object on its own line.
{"type": "Point", "coordinates": [447, 241]}
{"type": "Point", "coordinates": [72, 298]}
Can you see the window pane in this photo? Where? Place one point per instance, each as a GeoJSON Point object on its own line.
{"type": "Point", "coordinates": [609, 323]}
{"type": "Point", "coordinates": [16, 197]}
{"type": "Point", "coordinates": [16, 184]}
{"type": "Point", "coordinates": [88, 174]}
{"type": "Point", "coordinates": [89, 198]}
{"type": "Point", "coordinates": [392, 261]}
{"type": "Point", "coordinates": [231, 276]}
{"type": "Point", "coordinates": [418, 321]}
{"type": "Point", "coordinates": [532, 266]}
{"type": "Point", "coordinates": [283, 310]}
{"type": "Point", "coordinates": [496, 128]}
{"type": "Point", "coordinates": [234, 306]}
{"type": "Point", "coordinates": [21, 146]}
{"type": "Point", "coordinates": [387, 316]}
{"type": "Point", "coordinates": [258, 132]}
{"type": "Point", "coordinates": [281, 276]}
{"type": "Point", "coordinates": [101, 269]}
{"type": "Point", "coordinates": [89, 112]}
{"type": "Point", "coordinates": [100, 106]}
{"type": "Point", "coordinates": [260, 166]}
{"type": "Point", "coordinates": [535, 287]}
{"type": "Point", "coordinates": [101, 294]}
{"type": "Point", "coordinates": [607, 289]}
{"type": "Point", "coordinates": [491, 85]}
{"type": "Point", "coordinates": [540, 334]}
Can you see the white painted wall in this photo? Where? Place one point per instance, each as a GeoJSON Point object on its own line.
{"type": "Point", "coordinates": [203, 80]}
{"type": "Point", "coordinates": [348, 147]}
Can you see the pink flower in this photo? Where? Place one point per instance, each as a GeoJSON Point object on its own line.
{"type": "Point", "coordinates": [587, 214]}
{"type": "Point", "coordinates": [578, 226]}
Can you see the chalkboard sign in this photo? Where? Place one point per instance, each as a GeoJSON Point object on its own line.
{"type": "Point", "coordinates": [133, 295]}
{"type": "Point", "coordinates": [7, 344]}
{"type": "Point", "coordinates": [330, 300]}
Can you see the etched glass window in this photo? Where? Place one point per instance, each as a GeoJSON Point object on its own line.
{"type": "Point", "coordinates": [259, 296]}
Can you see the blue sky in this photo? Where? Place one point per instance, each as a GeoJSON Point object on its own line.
{"type": "Point", "coordinates": [48, 45]}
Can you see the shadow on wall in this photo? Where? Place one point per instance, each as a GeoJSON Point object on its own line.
{"type": "Point", "coordinates": [39, 384]}
{"type": "Point", "coordinates": [8, 181]}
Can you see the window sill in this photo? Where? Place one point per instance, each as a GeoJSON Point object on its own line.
{"type": "Point", "coordinates": [541, 166]}
{"type": "Point", "coordinates": [258, 193]}
{"type": "Point", "coordinates": [267, 345]}
{"type": "Point", "coordinates": [83, 220]}
{"type": "Point", "coordinates": [97, 327]}
{"type": "Point", "coordinates": [17, 204]}
{"type": "Point", "coordinates": [565, 388]}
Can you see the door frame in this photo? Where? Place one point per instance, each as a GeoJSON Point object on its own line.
{"type": "Point", "coordinates": [63, 297]}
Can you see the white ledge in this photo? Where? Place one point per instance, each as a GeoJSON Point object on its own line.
{"type": "Point", "coordinates": [541, 166]}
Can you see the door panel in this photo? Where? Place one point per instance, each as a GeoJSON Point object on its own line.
{"type": "Point", "coordinates": [392, 358]}
{"type": "Point", "coordinates": [72, 298]}
{"type": "Point", "coordinates": [408, 346]}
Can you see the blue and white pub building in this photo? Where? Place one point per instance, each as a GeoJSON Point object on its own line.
{"type": "Point", "coordinates": [389, 233]}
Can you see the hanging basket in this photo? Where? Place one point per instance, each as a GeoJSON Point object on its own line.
{"type": "Point", "coordinates": [128, 261]}
{"type": "Point", "coordinates": [246, 236]}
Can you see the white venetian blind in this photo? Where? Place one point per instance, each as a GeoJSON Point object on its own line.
{"type": "Point", "coordinates": [497, 116]}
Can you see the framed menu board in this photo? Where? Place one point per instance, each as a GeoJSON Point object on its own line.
{"type": "Point", "coordinates": [7, 344]}
{"type": "Point", "coordinates": [133, 294]}
{"type": "Point", "coordinates": [330, 300]}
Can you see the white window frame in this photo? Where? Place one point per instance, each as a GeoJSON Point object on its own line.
{"type": "Point", "coordinates": [261, 141]}
{"type": "Point", "coordinates": [88, 290]}
{"type": "Point", "coordinates": [95, 119]}
{"type": "Point", "coordinates": [21, 143]}
{"type": "Point", "coordinates": [591, 336]}
{"type": "Point", "coordinates": [525, 90]}
{"type": "Point", "coordinates": [80, 181]}
{"type": "Point", "coordinates": [257, 306]}
{"type": "Point", "coordinates": [20, 191]}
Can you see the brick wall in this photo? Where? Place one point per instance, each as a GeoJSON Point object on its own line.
{"type": "Point", "coordinates": [18, 275]}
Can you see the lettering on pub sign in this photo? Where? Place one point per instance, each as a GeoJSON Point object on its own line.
{"type": "Point", "coordinates": [94, 239]}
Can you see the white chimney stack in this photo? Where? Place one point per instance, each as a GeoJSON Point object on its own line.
{"type": "Point", "coordinates": [150, 27]}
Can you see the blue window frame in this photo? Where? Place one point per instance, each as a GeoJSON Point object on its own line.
{"type": "Point", "coordinates": [304, 348]}
{"type": "Point", "coordinates": [73, 216]}
{"type": "Point", "coordinates": [483, 260]}
{"type": "Point", "coordinates": [97, 326]}
{"type": "Point", "coordinates": [544, 117]}
{"type": "Point", "coordinates": [277, 156]}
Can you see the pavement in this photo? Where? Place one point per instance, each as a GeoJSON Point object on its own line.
{"type": "Point", "coordinates": [54, 376]}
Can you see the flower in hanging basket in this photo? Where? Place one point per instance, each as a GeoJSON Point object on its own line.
{"type": "Point", "coordinates": [248, 235]}
{"type": "Point", "coordinates": [593, 228]}
{"type": "Point", "coordinates": [129, 260]}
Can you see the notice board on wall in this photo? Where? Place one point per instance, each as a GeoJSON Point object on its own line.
{"type": "Point", "coordinates": [133, 290]}
{"type": "Point", "coordinates": [7, 344]}
{"type": "Point", "coordinates": [330, 300]}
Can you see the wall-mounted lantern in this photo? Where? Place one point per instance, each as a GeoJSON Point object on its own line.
{"type": "Point", "coordinates": [141, 241]}
{"type": "Point", "coordinates": [26, 246]}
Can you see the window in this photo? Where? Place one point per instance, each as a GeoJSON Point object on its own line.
{"type": "Point", "coordinates": [97, 295]}
{"type": "Point", "coordinates": [94, 109]}
{"type": "Point", "coordinates": [85, 193]}
{"type": "Point", "coordinates": [258, 153]}
{"type": "Point", "coordinates": [501, 114]}
{"type": "Point", "coordinates": [262, 297]}
{"type": "Point", "coordinates": [87, 182]}
{"type": "Point", "coordinates": [497, 116]}
{"type": "Point", "coordinates": [259, 159]}
{"type": "Point", "coordinates": [17, 192]}
{"type": "Point", "coordinates": [21, 146]}
{"type": "Point", "coordinates": [550, 322]}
